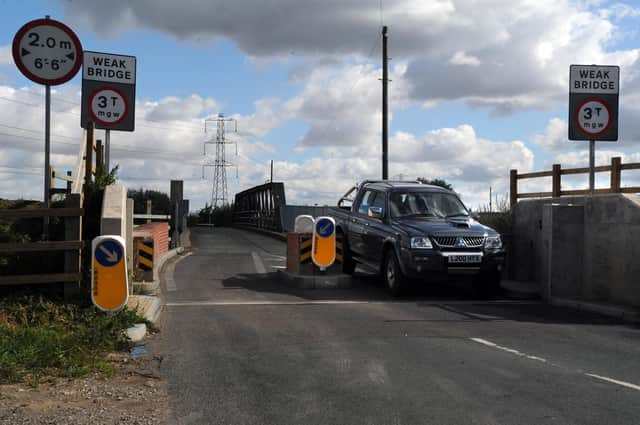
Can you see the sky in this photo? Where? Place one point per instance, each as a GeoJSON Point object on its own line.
{"type": "Point", "coordinates": [478, 87]}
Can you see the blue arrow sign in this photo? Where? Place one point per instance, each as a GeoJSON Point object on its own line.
{"type": "Point", "coordinates": [109, 253]}
{"type": "Point", "coordinates": [324, 228]}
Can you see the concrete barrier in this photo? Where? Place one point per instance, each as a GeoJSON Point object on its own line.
{"type": "Point", "coordinates": [582, 248]}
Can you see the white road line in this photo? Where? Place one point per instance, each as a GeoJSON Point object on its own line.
{"type": "Point", "coordinates": [507, 349]}
{"type": "Point", "coordinates": [249, 303]}
{"type": "Point", "coordinates": [257, 261]}
{"type": "Point", "coordinates": [614, 381]}
{"type": "Point", "coordinates": [168, 275]}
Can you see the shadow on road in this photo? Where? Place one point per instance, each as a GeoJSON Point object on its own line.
{"type": "Point", "coordinates": [456, 297]}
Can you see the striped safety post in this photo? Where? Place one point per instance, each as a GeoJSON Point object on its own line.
{"type": "Point", "coordinates": [145, 255]}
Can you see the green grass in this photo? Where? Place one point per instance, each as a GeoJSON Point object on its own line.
{"type": "Point", "coordinates": [42, 338]}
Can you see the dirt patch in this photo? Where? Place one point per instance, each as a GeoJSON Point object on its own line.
{"type": "Point", "coordinates": [135, 394]}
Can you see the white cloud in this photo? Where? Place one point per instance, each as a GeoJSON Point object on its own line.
{"type": "Point", "coordinates": [5, 55]}
{"type": "Point", "coordinates": [462, 58]}
{"type": "Point", "coordinates": [515, 53]}
{"type": "Point", "coordinates": [554, 136]}
{"type": "Point", "coordinates": [176, 109]}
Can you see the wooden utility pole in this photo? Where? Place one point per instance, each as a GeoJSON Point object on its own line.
{"type": "Point", "coordinates": [385, 107]}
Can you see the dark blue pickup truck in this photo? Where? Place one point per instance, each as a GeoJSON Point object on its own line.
{"type": "Point", "coordinates": [408, 230]}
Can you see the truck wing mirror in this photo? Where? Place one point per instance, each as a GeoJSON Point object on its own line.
{"type": "Point", "coordinates": [375, 212]}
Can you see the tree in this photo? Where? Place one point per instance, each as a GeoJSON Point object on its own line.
{"type": "Point", "coordinates": [435, 182]}
{"type": "Point", "coordinates": [160, 202]}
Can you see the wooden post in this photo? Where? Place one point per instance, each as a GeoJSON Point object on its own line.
{"type": "Point", "coordinates": [555, 184]}
{"type": "Point", "coordinates": [72, 232]}
{"type": "Point", "coordinates": [69, 182]}
{"type": "Point", "coordinates": [88, 159]}
{"type": "Point", "coordinates": [616, 178]}
{"type": "Point", "coordinates": [513, 187]}
{"type": "Point", "coordinates": [99, 155]}
{"type": "Point", "coordinates": [149, 209]}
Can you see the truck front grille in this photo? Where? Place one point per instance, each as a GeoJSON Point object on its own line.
{"type": "Point", "coordinates": [459, 241]}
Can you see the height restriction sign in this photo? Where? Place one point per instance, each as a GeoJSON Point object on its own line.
{"type": "Point", "coordinates": [593, 102]}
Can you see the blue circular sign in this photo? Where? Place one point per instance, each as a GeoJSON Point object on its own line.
{"type": "Point", "coordinates": [108, 253]}
{"type": "Point", "coordinates": [324, 228]}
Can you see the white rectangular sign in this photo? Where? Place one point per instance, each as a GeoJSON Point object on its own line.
{"type": "Point", "coordinates": [109, 68]}
{"type": "Point", "coordinates": [594, 79]}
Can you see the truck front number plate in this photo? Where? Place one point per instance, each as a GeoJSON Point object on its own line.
{"type": "Point", "coordinates": [465, 259]}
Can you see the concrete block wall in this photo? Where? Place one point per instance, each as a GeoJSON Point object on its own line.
{"type": "Point", "coordinates": [580, 247]}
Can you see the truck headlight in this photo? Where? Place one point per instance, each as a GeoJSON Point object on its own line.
{"type": "Point", "coordinates": [493, 242]}
{"type": "Point", "coordinates": [421, 242]}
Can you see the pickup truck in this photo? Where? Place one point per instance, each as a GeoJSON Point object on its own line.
{"type": "Point", "coordinates": [407, 230]}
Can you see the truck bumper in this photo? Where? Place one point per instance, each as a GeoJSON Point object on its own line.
{"type": "Point", "coordinates": [432, 263]}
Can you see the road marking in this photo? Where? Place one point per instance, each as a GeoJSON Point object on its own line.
{"type": "Point", "coordinates": [257, 261]}
{"type": "Point", "coordinates": [507, 349]}
{"type": "Point", "coordinates": [326, 302]}
{"type": "Point", "coordinates": [169, 281]}
{"type": "Point", "coordinates": [615, 381]}
{"type": "Point", "coordinates": [249, 303]}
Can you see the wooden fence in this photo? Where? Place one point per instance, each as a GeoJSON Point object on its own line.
{"type": "Point", "coordinates": [72, 214]}
{"type": "Point", "coordinates": [557, 172]}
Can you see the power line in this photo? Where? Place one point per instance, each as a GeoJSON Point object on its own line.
{"type": "Point", "coordinates": [77, 115]}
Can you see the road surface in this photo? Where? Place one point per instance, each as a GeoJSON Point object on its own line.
{"type": "Point", "coordinates": [238, 347]}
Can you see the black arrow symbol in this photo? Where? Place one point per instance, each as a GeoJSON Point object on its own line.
{"type": "Point", "coordinates": [24, 52]}
{"type": "Point", "coordinates": [71, 56]}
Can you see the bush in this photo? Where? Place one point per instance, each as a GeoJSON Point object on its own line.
{"type": "Point", "coordinates": [40, 337]}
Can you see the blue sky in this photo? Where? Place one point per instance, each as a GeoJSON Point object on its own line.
{"type": "Point", "coordinates": [476, 90]}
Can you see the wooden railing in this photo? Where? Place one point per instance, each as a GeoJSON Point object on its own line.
{"type": "Point", "coordinates": [70, 273]}
{"type": "Point", "coordinates": [557, 172]}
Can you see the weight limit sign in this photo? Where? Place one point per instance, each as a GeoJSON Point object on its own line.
{"type": "Point", "coordinates": [593, 117]}
{"type": "Point", "coordinates": [108, 106]}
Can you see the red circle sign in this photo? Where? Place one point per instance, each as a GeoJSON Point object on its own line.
{"type": "Point", "coordinates": [47, 52]}
{"type": "Point", "coordinates": [108, 106]}
{"type": "Point", "coordinates": [593, 117]}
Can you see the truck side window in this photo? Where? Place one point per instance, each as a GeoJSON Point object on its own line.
{"type": "Point", "coordinates": [378, 201]}
{"type": "Point", "coordinates": [366, 201]}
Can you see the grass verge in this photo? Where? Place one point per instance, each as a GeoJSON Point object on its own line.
{"type": "Point", "coordinates": [42, 339]}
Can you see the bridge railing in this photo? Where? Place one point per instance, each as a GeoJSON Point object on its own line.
{"type": "Point", "coordinates": [557, 172]}
{"type": "Point", "coordinates": [260, 207]}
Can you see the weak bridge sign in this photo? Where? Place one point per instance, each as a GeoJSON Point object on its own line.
{"type": "Point", "coordinates": [108, 91]}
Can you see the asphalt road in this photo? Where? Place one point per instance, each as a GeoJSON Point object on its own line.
{"type": "Point", "coordinates": [238, 347]}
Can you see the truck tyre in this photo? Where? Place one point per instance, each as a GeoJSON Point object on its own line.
{"type": "Point", "coordinates": [392, 274]}
{"type": "Point", "coordinates": [487, 284]}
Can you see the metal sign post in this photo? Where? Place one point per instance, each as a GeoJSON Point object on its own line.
{"type": "Point", "coordinates": [107, 149]}
{"type": "Point", "coordinates": [47, 156]}
{"type": "Point", "coordinates": [593, 107]}
{"type": "Point", "coordinates": [49, 53]}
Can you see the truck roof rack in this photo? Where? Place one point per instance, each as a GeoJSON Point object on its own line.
{"type": "Point", "coordinates": [389, 181]}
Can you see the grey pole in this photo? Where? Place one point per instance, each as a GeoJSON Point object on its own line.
{"type": "Point", "coordinates": [47, 165]}
{"type": "Point", "coordinates": [592, 166]}
{"type": "Point", "coordinates": [385, 106]}
{"type": "Point", "coordinates": [107, 149]}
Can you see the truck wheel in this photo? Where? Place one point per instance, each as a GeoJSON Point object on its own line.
{"type": "Point", "coordinates": [487, 284]}
{"type": "Point", "coordinates": [392, 274]}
